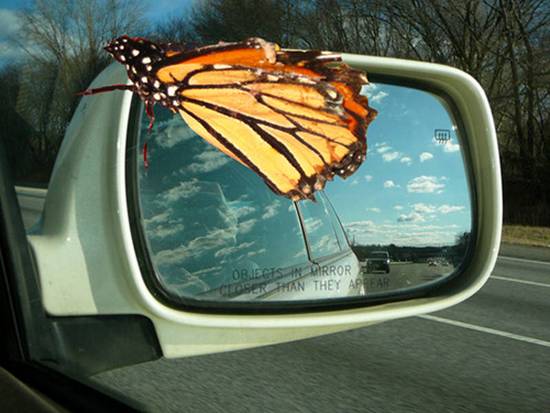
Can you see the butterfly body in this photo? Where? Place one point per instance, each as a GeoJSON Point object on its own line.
{"type": "Point", "coordinates": [294, 117]}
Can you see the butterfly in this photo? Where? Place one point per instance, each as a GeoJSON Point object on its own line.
{"type": "Point", "coordinates": [294, 117]}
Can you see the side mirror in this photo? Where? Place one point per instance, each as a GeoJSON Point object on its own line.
{"type": "Point", "coordinates": [198, 245]}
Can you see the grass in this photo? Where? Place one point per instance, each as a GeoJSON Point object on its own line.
{"type": "Point", "coordinates": [526, 235]}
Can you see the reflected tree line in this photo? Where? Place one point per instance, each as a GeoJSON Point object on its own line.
{"type": "Point", "coordinates": [504, 44]}
{"type": "Point", "coordinates": [453, 254]}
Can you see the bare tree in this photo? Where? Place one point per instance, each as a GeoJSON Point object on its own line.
{"type": "Point", "coordinates": [63, 40]}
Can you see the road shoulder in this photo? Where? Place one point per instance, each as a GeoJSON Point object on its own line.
{"type": "Point", "coordinates": [525, 252]}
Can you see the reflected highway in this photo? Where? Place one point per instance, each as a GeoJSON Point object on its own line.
{"type": "Point", "coordinates": [488, 354]}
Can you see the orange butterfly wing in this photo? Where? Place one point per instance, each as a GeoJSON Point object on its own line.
{"type": "Point", "coordinates": [296, 118]}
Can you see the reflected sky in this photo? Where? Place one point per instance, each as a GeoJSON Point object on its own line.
{"type": "Point", "coordinates": [412, 189]}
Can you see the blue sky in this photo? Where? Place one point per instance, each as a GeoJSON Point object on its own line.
{"type": "Point", "coordinates": [410, 189]}
{"type": "Point", "coordinates": [154, 12]}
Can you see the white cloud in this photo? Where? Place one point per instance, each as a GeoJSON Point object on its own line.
{"type": "Point", "coordinates": [163, 231]}
{"type": "Point", "coordinates": [451, 147]}
{"type": "Point", "coordinates": [243, 211]}
{"type": "Point", "coordinates": [354, 182]}
{"type": "Point", "coordinates": [425, 184]}
{"type": "Point", "coordinates": [412, 217]}
{"type": "Point", "coordinates": [195, 248]}
{"type": "Point", "coordinates": [368, 178]}
{"type": "Point", "coordinates": [208, 161]}
{"type": "Point", "coordinates": [372, 93]}
{"type": "Point", "coordinates": [383, 148]}
{"type": "Point", "coordinates": [183, 190]}
{"type": "Point", "coordinates": [389, 184]}
{"type": "Point", "coordinates": [313, 224]}
{"type": "Point", "coordinates": [246, 226]}
{"type": "Point", "coordinates": [398, 207]}
{"type": "Point", "coordinates": [171, 132]}
{"type": "Point", "coordinates": [271, 210]}
{"type": "Point", "coordinates": [405, 232]}
{"type": "Point", "coordinates": [406, 159]}
{"type": "Point", "coordinates": [378, 97]}
{"type": "Point", "coordinates": [447, 209]}
{"type": "Point", "coordinates": [424, 208]}
{"type": "Point", "coordinates": [377, 210]}
{"type": "Point", "coordinates": [425, 156]}
{"type": "Point", "coordinates": [390, 156]}
{"type": "Point", "coordinates": [233, 249]}
{"type": "Point", "coordinates": [254, 253]}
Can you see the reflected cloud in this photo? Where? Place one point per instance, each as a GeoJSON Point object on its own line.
{"type": "Point", "coordinates": [390, 156]}
{"type": "Point", "coordinates": [313, 224]}
{"type": "Point", "coordinates": [425, 156]}
{"type": "Point", "coordinates": [377, 210]}
{"type": "Point", "coordinates": [368, 178]}
{"type": "Point", "coordinates": [208, 161]}
{"type": "Point", "coordinates": [425, 184]}
{"type": "Point", "coordinates": [183, 190]}
{"type": "Point", "coordinates": [406, 160]}
{"type": "Point", "coordinates": [373, 93]}
{"type": "Point", "coordinates": [271, 210]}
{"type": "Point", "coordinates": [389, 184]}
{"type": "Point", "coordinates": [233, 249]}
{"type": "Point", "coordinates": [170, 132]}
{"type": "Point", "coordinates": [447, 209]}
{"type": "Point", "coordinates": [412, 217]}
{"type": "Point", "coordinates": [450, 147]}
{"type": "Point", "coordinates": [404, 233]}
{"type": "Point", "coordinates": [246, 226]}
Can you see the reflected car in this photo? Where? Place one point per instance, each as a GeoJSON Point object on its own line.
{"type": "Point", "coordinates": [378, 261]}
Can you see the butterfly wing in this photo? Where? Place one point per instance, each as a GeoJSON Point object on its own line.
{"type": "Point", "coordinates": [296, 118]}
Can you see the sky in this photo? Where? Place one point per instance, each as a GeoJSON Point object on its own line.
{"type": "Point", "coordinates": [155, 11]}
{"type": "Point", "coordinates": [411, 190]}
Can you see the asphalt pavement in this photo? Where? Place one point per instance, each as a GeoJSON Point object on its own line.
{"type": "Point", "coordinates": [488, 354]}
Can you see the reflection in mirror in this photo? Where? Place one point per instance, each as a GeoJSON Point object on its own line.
{"type": "Point", "coordinates": [214, 232]}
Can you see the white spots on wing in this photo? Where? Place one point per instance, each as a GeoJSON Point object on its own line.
{"type": "Point", "coordinates": [176, 102]}
{"type": "Point", "coordinates": [124, 40]}
{"type": "Point", "coordinates": [172, 90]}
{"type": "Point", "coordinates": [156, 96]}
{"type": "Point", "coordinates": [122, 58]}
{"type": "Point", "coordinates": [156, 84]}
{"type": "Point", "coordinates": [146, 60]}
{"type": "Point", "coordinates": [221, 66]}
{"type": "Point", "coordinates": [144, 79]}
{"type": "Point", "coordinates": [121, 47]}
{"type": "Point", "coordinates": [134, 71]}
{"type": "Point", "coordinates": [127, 67]}
{"type": "Point", "coordinates": [149, 68]}
{"type": "Point", "coordinates": [135, 52]}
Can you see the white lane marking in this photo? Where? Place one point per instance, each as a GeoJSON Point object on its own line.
{"type": "Point", "coordinates": [500, 257]}
{"type": "Point", "coordinates": [515, 280]}
{"type": "Point", "coordinates": [486, 330]}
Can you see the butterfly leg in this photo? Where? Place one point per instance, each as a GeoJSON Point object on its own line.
{"type": "Point", "coordinates": [104, 89]}
{"type": "Point", "coordinates": [150, 114]}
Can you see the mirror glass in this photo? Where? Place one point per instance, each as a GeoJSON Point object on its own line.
{"type": "Point", "coordinates": [214, 232]}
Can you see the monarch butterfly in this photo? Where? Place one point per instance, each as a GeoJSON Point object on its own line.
{"type": "Point", "coordinates": [294, 117]}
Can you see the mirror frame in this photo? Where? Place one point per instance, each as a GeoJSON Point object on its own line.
{"type": "Point", "coordinates": [100, 274]}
